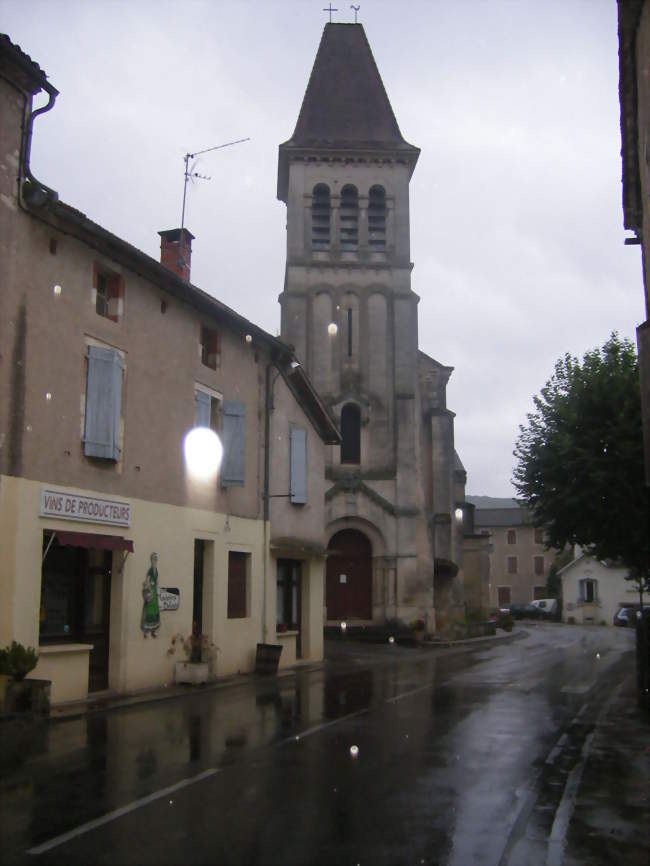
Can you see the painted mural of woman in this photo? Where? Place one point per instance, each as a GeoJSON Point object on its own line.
{"type": "Point", "coordinates": [150, 622]}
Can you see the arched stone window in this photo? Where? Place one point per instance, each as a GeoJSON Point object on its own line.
{"type": "Point", "coordinates": [377, 218]}
{"type": "Point", "coordinates": [349, 218]}
{"type": "Point", "coordinates": [351, 434]}
{"type": "Point", "coordinates": [320, 217]}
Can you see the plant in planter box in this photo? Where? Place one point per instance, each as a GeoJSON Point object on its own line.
{"type": "Point", "coordinates": [199, 653]}
{"type": "Point", "coordinates": [16, 693]}
{"type": "Point", "coordinates": [16, 661]}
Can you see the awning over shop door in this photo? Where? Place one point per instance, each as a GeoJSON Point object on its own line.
{"type": "Point", "coordinates": [93, 540]}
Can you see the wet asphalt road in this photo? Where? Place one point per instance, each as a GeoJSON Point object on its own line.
{"type": "Point", "coordinates": [464, 758]}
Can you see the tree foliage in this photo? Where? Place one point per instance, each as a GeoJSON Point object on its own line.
{"type": "Point", "coordinates": [579, 457]}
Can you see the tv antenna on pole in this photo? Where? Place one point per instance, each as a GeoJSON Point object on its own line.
{"type": "Point", "coordinates": [190, 174]}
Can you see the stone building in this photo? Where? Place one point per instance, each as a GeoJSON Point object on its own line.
{"type": "Point", "coordinates": [519, 561]}
{"type": "Point", "coordinates": [350, 312]}
{"type": "Point", "coordinates": [108, 360]}
{"type": "Point", "coordinates": [634, 93]}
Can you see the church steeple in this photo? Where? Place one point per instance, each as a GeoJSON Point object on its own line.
{"type": "Point", "coordinates": [345, 105]}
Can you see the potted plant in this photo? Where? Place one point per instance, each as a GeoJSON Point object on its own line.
{"type": "Point", "coordinates": [199, 653]}
{"type": "Point", "coordinates": [418, 626]}
{"type": "Point", "coordinates": [17, 694]}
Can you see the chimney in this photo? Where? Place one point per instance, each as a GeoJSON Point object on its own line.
{"type": "Point", "coordinates": [176, 251]}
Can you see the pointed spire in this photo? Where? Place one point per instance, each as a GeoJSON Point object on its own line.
{"type": "Point", "coordinates": [345, 105]}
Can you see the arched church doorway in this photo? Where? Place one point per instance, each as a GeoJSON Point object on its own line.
{"type": "Point", "coordinates": [348, 593]}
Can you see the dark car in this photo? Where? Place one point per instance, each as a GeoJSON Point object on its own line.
{"type": "Point", "coordinates": [626, 616]}
{"type": "Point", "coordinates": [524, 611]}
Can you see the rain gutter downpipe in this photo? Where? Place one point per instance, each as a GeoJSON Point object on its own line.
{"type": "Point", "coordinates": [41, 193]}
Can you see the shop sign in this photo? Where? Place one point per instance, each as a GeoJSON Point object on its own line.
{"type": "Point", "coordinates": [88, 509]}
{"type": "Point", "coordinates": [169, 598]}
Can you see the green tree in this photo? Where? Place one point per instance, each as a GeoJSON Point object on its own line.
{"type": "Point", "coordinates": [579, 458]}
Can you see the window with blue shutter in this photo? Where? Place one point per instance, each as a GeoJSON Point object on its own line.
{"type": "Point", "coordinates": [298, 466]}
{"type": "Point", "coordinates": [103, 404]}
{"type": "Point", "coordinates": [233, 435]}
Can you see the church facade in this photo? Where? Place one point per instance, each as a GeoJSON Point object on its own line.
{"type": "Point", "coordinates": [395, 487]}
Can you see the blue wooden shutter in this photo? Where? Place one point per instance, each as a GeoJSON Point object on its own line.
{"type": "Point", "coordinates": [234, 443]}
{"type": "Point", "coordinates": [103, 404]}
{"type": "Point", "coordinates": [203, 401]}
{"type": "Point", "coordinates": [298, 466]}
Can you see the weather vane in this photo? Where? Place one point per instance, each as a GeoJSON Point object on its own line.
{"type": "Point", "coordinates": [190, 174]}
{"type": "Point", "coordinates": [331, 9]}
{"type": "Point", "coordinates": [356, 11]}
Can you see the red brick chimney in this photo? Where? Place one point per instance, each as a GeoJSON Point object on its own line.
{"type": "Point", "coordinates": [176, 251]}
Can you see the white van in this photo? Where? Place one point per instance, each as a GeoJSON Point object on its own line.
{"type": "Point", "coordinates": [546, 606]}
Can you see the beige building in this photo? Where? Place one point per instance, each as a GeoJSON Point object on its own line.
{"type": "Point", "coordinates": [593, 591]}
{"type": "Point", "coordinates": [349, 309]}
{"type": "Point", "coordinates": [634, 92]}
{"type": "Point", "coordinates": [519, 562]}
{"type": "Point", "coordinates": [109, 359]}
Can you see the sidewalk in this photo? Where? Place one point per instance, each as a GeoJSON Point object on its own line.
{"type": "Point", "coordinates": [108, 700]}
{"type": "Point", "coordinates": [611, 817]}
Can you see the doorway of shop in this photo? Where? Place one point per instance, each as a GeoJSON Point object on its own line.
{"type": "Point", "coordinates": [75, 603]}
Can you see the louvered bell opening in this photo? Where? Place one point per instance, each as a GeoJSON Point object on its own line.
{"type": "Point", "coordinates": [377, 218]}
{"type": "Point", "coordinates": [320, 218]}
{"type": "Point", "coordinates": [349, 218]}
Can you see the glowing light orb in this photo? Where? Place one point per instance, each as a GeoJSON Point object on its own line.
{"type": "Point", "coordinates": [458, 513]}
{"type": "Point", "coordinates": [391, 639]}
{"type": "Point", "coordinates": [354, 751]}
{"type": "Point", "coordinates": [203, 452]}
{"type": "Point", "coordinates": [332, 329]}
{"type": "Point", "coordinates": [56, 289]}
{"type": "Point", "coordinates": [344, 625]}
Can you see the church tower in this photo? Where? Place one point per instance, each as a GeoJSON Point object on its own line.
{"type": "Point", "coordinates": [350, 312]}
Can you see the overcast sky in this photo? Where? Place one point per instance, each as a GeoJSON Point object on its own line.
{"type": "Point", "coordinates": [516, 221]}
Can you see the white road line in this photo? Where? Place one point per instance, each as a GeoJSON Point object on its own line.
{"type": "Point", "coordinates": [557, 748]}
{"type": "Point", "coordinates": [408, 694]}
{"type": "Point", "coordinates": [309, 731]}
{"type": "Point", "coordinates": [557, 839]}
{"type": "Point", "coordinates": [118, 813]}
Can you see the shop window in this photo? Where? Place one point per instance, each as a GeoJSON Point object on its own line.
{"type": "Point", "coordinates": [512, 536]}
{"type": "Point", "coordinates": [538, 565]}
{"type": "Point", "coordinates": [103, 412]}
{"type": "Point", "coordinates": [208, 411]}
{"type": "Point", "coordinates": [320, 217]}
{"type": "Point", "coordinates": [351, 434]}
{"type": "Point", "coordinates": [503, 596]}
{"type": "Point", "coordinates": [233, 438]}
{"type": "Point", "coordinates": [238, 584]}
{"type": "Point", "coordinates": [108, 293]}
{"type": "Point", "coordinates": [588, 590]}
{"type": "Point", "coordinates": [298, 491]}
{"type": "Point", "coordinates": [210, 347]}
{"type": "Point", "coordinates": [377, 218]}
{"type": "Point", "coordinates": [288, 595]}
{"type": "Point", "coordinates": [512, 565]}
{"type": "Point", "coordinates": [349, 218]}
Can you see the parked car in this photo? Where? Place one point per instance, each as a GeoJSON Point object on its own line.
{"type": "Point", "coordinates": [626, 616]}
{"type": "Point", "coordinates": [547, 607]}
{"type": "Point", "coordinates": [524, 611]}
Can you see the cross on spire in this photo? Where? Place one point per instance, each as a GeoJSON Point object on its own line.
{"type": "Point", "coordinates": [331, 9]}
{"type": "Point", "coordinates": [356, 10]}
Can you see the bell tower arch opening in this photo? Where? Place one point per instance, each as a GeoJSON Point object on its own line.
{"type": "Point", "coordinates": [348, 581]}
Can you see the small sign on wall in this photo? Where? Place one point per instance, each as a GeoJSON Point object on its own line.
{"type": "Point", "coordinates": [343, 578]}
{"type": "Point", "coordinates": [169, 597]}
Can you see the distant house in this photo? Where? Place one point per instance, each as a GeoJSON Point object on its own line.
{"type": "Point", "coordinates": [592, 591]}
{"type": "Point", "coordinates": [519, 561]}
